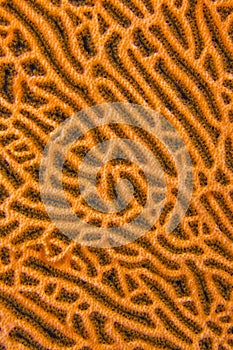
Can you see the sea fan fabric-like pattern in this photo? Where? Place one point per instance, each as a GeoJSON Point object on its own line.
{"type": "Point", "coordinates": [163, 291]}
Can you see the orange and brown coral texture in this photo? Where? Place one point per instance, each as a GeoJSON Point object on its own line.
{"type": "Point", "coordinates": [162, 291]}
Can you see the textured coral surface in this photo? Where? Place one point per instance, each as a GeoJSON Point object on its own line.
{"type": "Point", "coordinates": [162, 291]}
